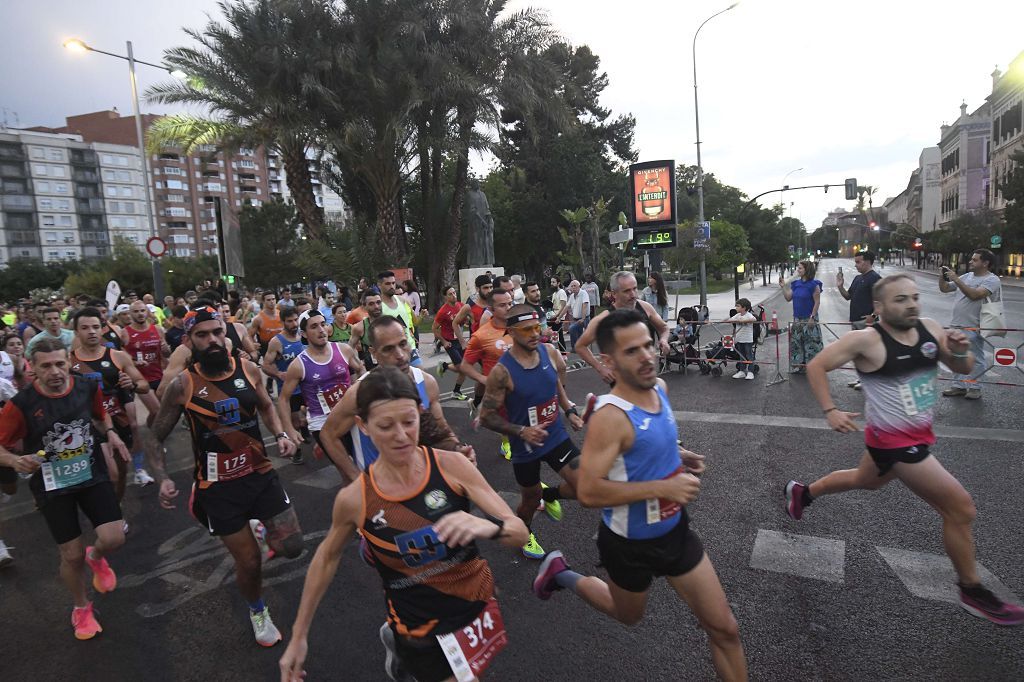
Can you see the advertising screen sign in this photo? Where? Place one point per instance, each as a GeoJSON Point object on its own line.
{"type": "Point", "coordinates": [653, 186]}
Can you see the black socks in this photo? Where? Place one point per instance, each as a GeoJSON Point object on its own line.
{"type": "Point", "coordinates": [552, 494]}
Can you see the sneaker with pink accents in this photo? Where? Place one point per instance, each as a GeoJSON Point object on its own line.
{"type": "Point", "coordinates": [84, 622]}
{"type": "Point", "coordinates": [545, 584]}
{"type": "Point", "coordinates": [103, 577]}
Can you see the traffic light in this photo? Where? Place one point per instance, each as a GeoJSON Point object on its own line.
{"type": "Point", "coordinates": [631, 248]}
{"type": "Point", "coordinates": [851, 189]}
{"type": "Point", "coordinates": [873, 225]}
{"type": "Point", "coordinates": [918, 245]}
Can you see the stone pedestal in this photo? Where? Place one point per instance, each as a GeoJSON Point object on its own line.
{"type": "Point", "coordinates": [468, 276]}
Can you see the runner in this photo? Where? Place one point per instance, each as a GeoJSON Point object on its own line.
{"type": "Point", "coordinates": [146, 345]}
{"type": "Point", "coordinates": [113, 336]}
{"type": "Point", "coordinates": [369, 301]}
{"type": "Point", "coordinates": [500, 283]}
{"type": "Point", "coordinates": [633, 468]}
{"type": "Point", "coordinates": [266, 325]}
{"type": "Point", "coordinates": [395, 306]}
{"type": "Point", "coordinates": [486, 346]}
{"type": "Point", "coordinates": [52, 329]}
{"type": "Point", "coordinates": [60, 419]}
{"type": "Point", "coordinates": [623, 286]}
{"type": "Point", "coordinates": [451, 340]}
{"type": "Point", "coordinates": [281, 350]}
{"type": "Point", "coordinates": [234, 479]}
{"type": "Point", "coordinates": [241, 343]}
{"type": "Point", "coordinates": [412, 505]}
{"type": "Point", "coordinates": [13, 377]}
{"type": "Point", "coordinates": [322, 373]}
{"type": "Point", "coordinates": [526, 385]}
{"type": "Point", "coordinates": [897, 364]}
{"type": "Point", "coordinates": [474, 307]}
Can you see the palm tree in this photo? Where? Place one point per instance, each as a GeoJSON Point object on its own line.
{"type": "Point", "coordinates": [259, 75]}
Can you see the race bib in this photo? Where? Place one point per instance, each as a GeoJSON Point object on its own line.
{"type": "Point", "coordinates": [65, 473]}
{"type": "Point", "coordinates": [227, 466]}
{"type": "Point", "coordinates": [471, 649]}
{"type": "Point", "coordinates": [545, 414]}
{"type": "Point", "coordinates": [329, 398]}
{"type": "Point", "coordinates": [112, 405]}
{"type": "Point", "coordinates": [918, 394]}
{"type": "Point", "coordinates": [658, 509]}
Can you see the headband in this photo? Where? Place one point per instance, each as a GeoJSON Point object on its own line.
{"type": "Point", "coordinates": [197, 315]}
{"type": "Point", "coordinates": [522, 317]}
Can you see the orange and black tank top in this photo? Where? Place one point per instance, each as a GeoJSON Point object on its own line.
{"type": "Point", "coordinates": [106, 372]}
{"type": "Point", "coordinates": [270, 326]}
{"type": "Point", "coordinates": [222, 417]}
{"type": "Point", "coordinates": [430, 588]}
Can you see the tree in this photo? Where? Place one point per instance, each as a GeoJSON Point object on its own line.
{"type": "Point", "coordinates": [127, 265]}
{"type": "Point", "coordinates": [271, 243]}
{"type": "Point", "coordinates": [22, 275]}
{"type": "Point", "coordinates": [259, 74]}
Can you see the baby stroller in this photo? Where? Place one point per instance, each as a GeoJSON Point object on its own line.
{"type": "Point", "coordinates": [719, 353]}
{"type": "Point", "coordinates": [683, 343]}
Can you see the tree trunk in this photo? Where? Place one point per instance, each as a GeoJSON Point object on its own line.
{"type": "Point", "coordinates": [300, 184]}
{"type": "Point", "coordinates": [389, 229]}
{"type": "Point", "coordinates": [454, 237]}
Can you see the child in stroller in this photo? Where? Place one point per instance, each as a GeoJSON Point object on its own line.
{"type": "Point", "coordinates": [683, 341]}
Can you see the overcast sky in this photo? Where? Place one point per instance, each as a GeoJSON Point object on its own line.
{"type": "Point", "coordinates": [840, 89]}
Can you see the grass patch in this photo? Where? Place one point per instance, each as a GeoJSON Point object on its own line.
{"type": "Point", "coordinates": [715, 286]}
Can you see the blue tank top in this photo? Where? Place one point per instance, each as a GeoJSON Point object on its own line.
{"type": "Point", "coordinates": [533, 402]}
{"type": "Point", "coordinates": [653, 457]}
{"type": "Point", "coordinates": [364, 452]}
{"type": "Point", "coordinates": [289, 351]}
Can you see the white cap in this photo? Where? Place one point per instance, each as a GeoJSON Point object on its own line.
{"type": "Point", "coordinates": [123, 308]}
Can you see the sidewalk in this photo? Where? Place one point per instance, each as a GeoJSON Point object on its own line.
{"type": "Point", "coordinates": [1006, 280]}
{"type": "Point", "coordinates": [721, 303]}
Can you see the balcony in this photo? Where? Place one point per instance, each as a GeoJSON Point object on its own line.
{"type": "Point", "coordinates": [87, 192]}
{"type": "Point", "coordinates": [81, 175]}
{"type": "Point", "coordinates": [22, 238]}
{"type": "Point", "coordinates": [212, 187]}
{"type": "Point", "coordinates": [14, 187]}
{"type": "Point", "coordinates": [83, 157]}
{"type": "Point", "coordinates": [12, 152]}
{"type": "Point", "coordinates": [15, 202]}
{"type": "Point", "coordinates": [13, 170]}
{"type": "Point", "coordinates": [89, 206]}
{"type": "Point", "coordinates": [169, 156]}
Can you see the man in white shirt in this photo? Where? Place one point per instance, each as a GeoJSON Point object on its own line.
{"type": "Point", "coordinates": [576, 312]}
{"type": "Point", "coordinates": [972, 289]}
{"type": "Point", "coordinates": [558, 301]}
{"type": "Point", "coordinates": [518, 296]}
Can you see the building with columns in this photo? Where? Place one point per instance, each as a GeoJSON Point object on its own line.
{"type": "Point", "coordinates": [964, 149]}
{"type": "Point", "coordinates": [1007, 113]}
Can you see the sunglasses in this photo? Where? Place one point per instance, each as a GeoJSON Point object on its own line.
{"type": "Point", "coordinates": [527, 330]}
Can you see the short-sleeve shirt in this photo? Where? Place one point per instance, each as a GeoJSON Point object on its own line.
{"type": "Point", "coordinates": [803, 296]}
{"type": "Point", "coordinates": [577, 302]}
{"type": "Point", "coordinates": [558, 299]}
{"type": "Point", "coordinates": [444, 316]}
{"type": "Point", "coordinates": [357, 315]}
{"type": "Point", "coordinates": [744, 332]}
{"type": "Point", "coordinates": [861, 301]}
{"type": "Point", "coordinates": [593, 293]}
{"type": "Point", "coordinates": [486, 346]}
{"type": "Point", "coordinates": [66, 337]}
{"type": "Point", "coordinates": [967, 313]}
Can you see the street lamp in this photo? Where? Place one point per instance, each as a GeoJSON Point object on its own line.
{"type": "Point", "coordinates": [700, 169]}
{"type": "Point", "coordinates": [77, 45]}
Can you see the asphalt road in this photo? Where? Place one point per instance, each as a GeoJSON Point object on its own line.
{"type": "Point", "coordinates": [857, 590]}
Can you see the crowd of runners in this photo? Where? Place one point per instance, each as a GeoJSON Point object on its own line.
{"type": "Point", "coordinates": [92, 394]}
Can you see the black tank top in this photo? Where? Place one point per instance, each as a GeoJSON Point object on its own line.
{"type": "Point", "coordinates": [104, 371]}
{"type": "Point", "coordinates": [236, 342]}
{"type": "Point", "coordinates": [222, 418]}
{"type": "Point", "coordinates": [901, 360]}
{"type": "Point", "coordinates": [430, 588]}
{"type": "Point", "coordinates": [111, 338]}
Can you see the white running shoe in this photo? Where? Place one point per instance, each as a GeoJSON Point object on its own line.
{"type": "Point", "coordinates": [750, 376]}
{"type": "Point", "coordinates": [5, 555]}
{"type": "Point", "coordinates": [740, 374]}
{"type": "Point", "coordinates": [142, 477]}
{"type": "Point", "coordinates": [266, 632]}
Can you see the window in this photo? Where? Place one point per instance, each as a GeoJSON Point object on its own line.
{"type": "Point", "coordinates": [124, 176]}
{"type": "Point", "coordinates": [129, 206]}
{"type": "Point", "coordinates": [46, 204]}
{"type": "Point", "coordinates": [53, 255]}
{"type": "Point", "coordinates": [174, 184]}
{"type": "Point", "coordinates": [71, 254]}
{"type": "Point", "coordinates": [109, 175]}
{"type": "Point", "coordinates": [49, 220]}
{"type": "Point", "coordinates": [60, 187]}
{"type": "Point", "coordinates": [128, 222]}
{"type": "Point", "coordinates": [108, 159]}
{"type": "Point", "coordinates": [122, 160]}
{"type": "Point", "coordinates": [68, 237]}
{"type": "Point", "coordinates": [41, 169]}
{"type": "Point", "coordinates": [64, 204]}
{"type": "Point", "coordinates": [42, 186]}
{"type": "Point", "coordinates": [133, 237]}
{"type": "Point", "coordinates": [127, 192]}
{"type": "Point", "coordinates": [38, 153]}
{"type": "Point", "coordinates": [51, 237]}
{"type": "Point", "coordinates": [65, 220]}
{"type": "Point", "coordinates": [55, 154]}
{"type": "Point", "coordinates": [112, 191]}
{"type": "Point", "coordinates": [57, 171]}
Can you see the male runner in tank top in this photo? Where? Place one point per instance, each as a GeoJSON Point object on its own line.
{"type": "Point", "coordinates": [522, 398]}
{"type": "Point", "coordinates": [241, 342]}
{"type": "Point", "coordinates": [234, 479]}
{"type": "Point", "coordinates": [633, 468]}
{"type": "Point", "coordinates": [146, 344]}
{"type": "Point", "coordinates": [395, 306]}
{"type": "Point", "coordinates": [62, 416]}
{"type": "Point", "coordinates": [474, 308]}
{"type": "Point", "coordinates": [113, 336]}
{"type": "Point", "coordinates": [360, 340]}
{"type": "Point", "coordinates": [284, 348]}
{"type": "Point", "coordinates": [348, 446]}
{"type": "Point", "coordinates": [322, 372]}
{"type": "Point", "coordinates": [897, 364]}
{"type": "Point", "coordinates": [266, 325]}
{"type": "Point", "coordinates": [627, 297]}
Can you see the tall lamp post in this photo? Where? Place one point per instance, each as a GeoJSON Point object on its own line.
{"type": "Point", "coordinates": [785, 187]}
{"type": "Point", "coordinates": [76, 45]}
{"type": "Point", "coordinates": [700, 169]}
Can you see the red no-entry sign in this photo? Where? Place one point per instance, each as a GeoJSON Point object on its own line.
{"type": "Point", "coordinates": [1005, 356]}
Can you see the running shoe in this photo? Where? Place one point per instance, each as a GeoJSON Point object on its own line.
{"type": "Point", "coordinates": [103, 577]}
{"type": "Point", "coordinates": [552, 509]}
{"type": "Point", "coordinates": [459, 395]}
{"type": "Point", "coordinates": [795, 499]}
{"type": "Point", "coordinates": [297, 458]}
{"type": "Point", "coordinates": [84, 622]}
{"type": "Point", "coordinates": [392, 664]}
{"type": "Point", "coordinates": [531, 550]}
{"type": "Point", "coordinates": [954, 391]}
{"type": "Point", "coordinates": [982, 603]}
{"type": "Point", "coordinates": [439, 370]}
{"type": "Point", "coordinates": [5, 555]}
{"type": "Point", "coordinates": [506, 448]}
{"type": "Point", "coordinates": [142, 478]}
{"type": "Point", "coordinates": [266, 632]}
{"type": "Point", "coordinates": [544, 585]}
{"type": "Point", "coordinates": [973, 394]}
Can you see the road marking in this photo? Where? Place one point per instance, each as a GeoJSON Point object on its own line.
{"type": "Point", "coordinates": [326, 478]}
{"type": "Point", "coordinates": [931, 576]}
{"type": "Point", "coordinates": [802, 555]}
{"type": "Point", "coordinates": [954, 432]}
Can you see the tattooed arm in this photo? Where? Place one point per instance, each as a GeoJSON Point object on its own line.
{"type": "Point", "coordinates": [171, 407]}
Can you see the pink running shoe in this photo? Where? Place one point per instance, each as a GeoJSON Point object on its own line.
{"type": "Point", "coordinates": [982, 603]}
{"type": "Point", "coordinates": [544, 585]}
{"type": "Point", "coordinates": [84, 622]}
{"type": "Point", "coordinates": [795, 499]}
{"type": "Point", "coordinates": [103, 577]}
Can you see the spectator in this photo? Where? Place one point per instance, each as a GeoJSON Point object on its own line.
{"type": "Point", "coordinates": [576, 312]}
{"type": "Point", "coordinates": [592, 290]}
{"type": "Point", "coordinates": [518, 296]}
{"type": "Point", "coordinates": [655, 294]}
{"type": "Point", "coordinates": [862, 304]}
{"type": "Point", "coordinates": [558, 300]}
{"type": "Point", "coordinates": [805, 293]}
{"type": "Point", "coordinates": [971, 291]}
{"type": "Point", "coordinates": [744, 321]}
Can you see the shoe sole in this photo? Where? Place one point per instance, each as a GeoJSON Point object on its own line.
{"type": "Point", "coordinates": [541, 578]}
{"type": "Point", "coordinates": [6, 561]}
{"type": "Point", "coordinates": [789, 502]}
{"type": "Point", "coordinates": [389, 656]}
{"type": "Point", "coordinates": [85, 637]}
{"type": "Point", "coordinates": [536, 557]}
{"type": "Point", "coordinates": [972, 397]}
{"type": "Point", "coordinates": [985, 616]}
{"type": "Point", "coordinates": [271, 644]}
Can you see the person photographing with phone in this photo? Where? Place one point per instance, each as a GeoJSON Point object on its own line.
{"type": "Point", "coordinates": [862, 306]}
{"type": "Point", "coordinates": [972, 289]}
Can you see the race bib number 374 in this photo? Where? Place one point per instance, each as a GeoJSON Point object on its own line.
{"type": "Point", "coordinates": [471, 649]}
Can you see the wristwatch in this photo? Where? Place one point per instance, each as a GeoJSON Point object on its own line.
{"type": "Point", "coordinates": [572, 410]}
{"type": "Point", "coordinates": [283, 435]}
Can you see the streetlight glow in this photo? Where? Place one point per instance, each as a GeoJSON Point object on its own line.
{"type": "Point", "coordinates": [178, 73]}
{"type": "Point", "coordinates": [76, 45]}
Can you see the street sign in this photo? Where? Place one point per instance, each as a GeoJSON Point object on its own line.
{"type": "Point", "coordinates": [703, 238]}
{"type": "Point", "coordinates": [620, 236]}
{"type": "Point", "coordinates": [156, 247]}
{"type": "Point", "coordinates": [792, 248]}
{"type": "Point", "coordinates": [1006, 357]}
{"type": "Point", "coordinates": [996, 241]}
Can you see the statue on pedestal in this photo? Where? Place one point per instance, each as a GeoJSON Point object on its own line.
{"type": "Point", "coordinates": [479, 227]}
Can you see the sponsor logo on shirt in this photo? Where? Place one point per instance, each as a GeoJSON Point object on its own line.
{"type": "Point", "coordinates": [929, 349]}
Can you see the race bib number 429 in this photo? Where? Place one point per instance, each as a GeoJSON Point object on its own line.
{"type": "Point", "coordinates": [471, 649]}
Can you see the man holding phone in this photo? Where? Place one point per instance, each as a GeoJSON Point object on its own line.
{"type": "Point", "coordinates": [977, 284]}
{"type": "Point", "coordinates": [862, 307]}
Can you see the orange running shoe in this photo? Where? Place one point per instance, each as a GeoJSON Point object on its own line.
{"type": "Point", "coordinates": [84, 622]}
{"type": "Point", "coordinates": [103, 577]}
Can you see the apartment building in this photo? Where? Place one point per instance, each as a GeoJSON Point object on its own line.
{"type": "Point", "coordinates": [964, 150]}
{"type": "Point", "coordinates": [326, 198]}
{"type": "Point", "coordinates": [1007, 108]}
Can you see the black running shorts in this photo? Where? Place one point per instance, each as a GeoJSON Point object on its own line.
{"type": "Point", "coordinates": [296, 403]}
{"type": "Point", "coordinates": [528, 473]}
{"type": "Point", "coordinates": [633, 564]}
{"type": "Point", "coordinates": [226, 506]}
{"type": "Point", "coordinates": [98, 503]}
{"type": "Point", "coordinates": [423, 658]}
{"type": "Point", "coordinates": [885, 459]}
{"type": "Point", "coordinates": [8, 476]}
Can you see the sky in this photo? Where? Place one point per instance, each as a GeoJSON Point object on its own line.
{"type": "Point", "coordinates": [839, 89]}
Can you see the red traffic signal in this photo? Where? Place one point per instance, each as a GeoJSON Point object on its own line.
{"type": "Point", "coordinates": [917, 245]}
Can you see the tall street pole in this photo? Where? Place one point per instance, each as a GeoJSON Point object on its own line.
{"type": "Point", "coordinates": [700, 168]}
{"type": "Point", "coordinates": [158, 275]}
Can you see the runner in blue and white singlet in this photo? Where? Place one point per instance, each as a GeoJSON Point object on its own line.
{"type": "Point", "coordinates": [289, 351]}
{"type": "Point", "coordinates": [362, 448]}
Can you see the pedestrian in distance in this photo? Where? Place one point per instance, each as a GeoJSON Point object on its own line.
{"type": "Point", "coordinates": [972, 289]}
{"type": "Point", "coordinates": [862, 305]}
{"type": "Point", "coordinates": [805, 293]}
